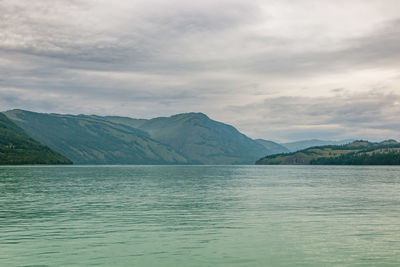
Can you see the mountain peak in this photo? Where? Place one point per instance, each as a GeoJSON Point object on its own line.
{"type": "Point", "coordinates": [192, 115]}
{"type": "Point", "coordinates": [389, 142]}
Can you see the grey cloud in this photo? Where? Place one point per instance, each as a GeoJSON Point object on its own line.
{"type": "Point", "coordinates": [364, 115]}
{"type": "Point", "coordinates": [168, 41]}
{"type": "Point", "coordinates": [139, 40]}
{"type": "Point", "coordinates": [152, 58]}
{"type": "Point", "coordinates": [379, 49]}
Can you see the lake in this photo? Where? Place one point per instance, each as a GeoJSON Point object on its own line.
{"type": "Point", "coordinates": [199, 215]}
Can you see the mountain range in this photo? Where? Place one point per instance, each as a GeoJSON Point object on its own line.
{"type": "Point", "coordinates": [188, 138]}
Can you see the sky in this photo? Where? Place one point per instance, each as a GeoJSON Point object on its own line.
{"type": "Point", "coordinates": [281, 70]}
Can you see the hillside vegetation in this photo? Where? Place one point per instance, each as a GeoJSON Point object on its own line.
{"type": "Point", "coordinates": [355, 153]}
{"type": "Point", "coordinates": [190, 138]}
{"type": "Point", "coordinates": [199, 139]}
{"type": "Point", "coordinates": [16, 147]}
{"type": "Point", "coordinates": [93, 140]}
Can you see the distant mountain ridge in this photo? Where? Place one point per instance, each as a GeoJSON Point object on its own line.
{"type": "Point", "coordinates": [272, 147]}
{"type": "Point", "coordinates": [355, 153]}
{"type": "Point", "coordinates": [303, 144]}
{"type": "Point", "coordinates": [16, 147]}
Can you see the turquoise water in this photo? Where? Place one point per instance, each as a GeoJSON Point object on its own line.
{"type": "Point", "coordinates": [199, 216]}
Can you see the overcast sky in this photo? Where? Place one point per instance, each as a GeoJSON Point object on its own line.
{"type": "Point", "coordinates": [276, 69]}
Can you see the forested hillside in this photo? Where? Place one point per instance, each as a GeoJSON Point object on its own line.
{"type": "Point", "coordinates": [356, 153]}
{"type": "Point", "coordinates": [16, 147]}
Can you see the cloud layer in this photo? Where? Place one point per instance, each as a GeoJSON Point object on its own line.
{"type": "Point", "coordinates": [282, 70]}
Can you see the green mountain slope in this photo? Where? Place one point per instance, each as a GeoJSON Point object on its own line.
{"type": "Point", "coordinates": [200, 139]}
{"type": "Point", "coordinates": [272, 147]}
{"type": "Point", "coordinates": [16, 147]}
{"type": "Point", "coordinates": [355, 153]}
{"type": "Point", "coordinates": [303, 144]}
{"type": "Point", "coordinates": [93, 140]}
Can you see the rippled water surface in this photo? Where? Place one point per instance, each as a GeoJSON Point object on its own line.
{"type": "Point", "coordinates": [199, 216]}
